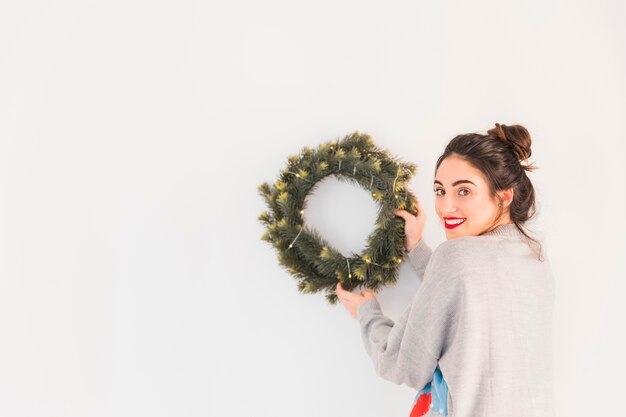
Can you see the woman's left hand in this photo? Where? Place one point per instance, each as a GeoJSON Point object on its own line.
{"type": "Point", "coordinates": [352, 301]}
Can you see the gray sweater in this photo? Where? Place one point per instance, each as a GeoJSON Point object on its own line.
{"type": "Point", "coordinates": [483, 313]}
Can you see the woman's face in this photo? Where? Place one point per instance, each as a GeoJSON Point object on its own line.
{"type": "Point", "coordinates": [463, 202]}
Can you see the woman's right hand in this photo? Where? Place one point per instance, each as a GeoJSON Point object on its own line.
{"type": "Point", "coordinates": [413, 226]}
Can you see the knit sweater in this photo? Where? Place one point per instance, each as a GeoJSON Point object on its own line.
{"type": "Point", "coordinates": [482, 316]}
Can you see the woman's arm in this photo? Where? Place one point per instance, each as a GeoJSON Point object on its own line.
{"type": "Point", "coordinates": [419, 256]}
{"type": "Point", "coordinates": [417, 250]}
{"type": "Point", "coordinates": [407, 352]}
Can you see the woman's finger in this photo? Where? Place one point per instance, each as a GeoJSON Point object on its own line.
{"type": "Point", "coordinates": [419, 205]}
{"type": "Point", "coordinates": [345, 295]}
{"type": "Point", "coordinates": [404, 214]}
{"type": "Point", "coordinates": [341, 293]}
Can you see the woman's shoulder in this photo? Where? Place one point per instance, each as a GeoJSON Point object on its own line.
{"type": "Point", "coordinates": [483, 250]}
{"type": "Point", "coordinates": [469, 250]}
{"type": "Point", "coordinates": [461, 246]}
{"type": "Point", "coordinates": [452, 257]}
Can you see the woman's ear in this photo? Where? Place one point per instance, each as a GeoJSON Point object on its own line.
{"type": "Point", "coordinates": [506, 196]}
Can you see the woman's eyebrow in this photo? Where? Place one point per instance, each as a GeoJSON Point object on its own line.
{"type": "Point", "coordinates": [455, 183]}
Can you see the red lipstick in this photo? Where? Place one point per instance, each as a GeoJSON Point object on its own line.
{"type": "Point", "coordinates": [452, 226]}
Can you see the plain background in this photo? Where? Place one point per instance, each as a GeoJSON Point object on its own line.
{"type": "Point", "coordinates": [134, 134]}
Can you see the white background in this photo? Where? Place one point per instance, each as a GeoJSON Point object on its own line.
{"type": "Point", "coordinates": [133, 137]}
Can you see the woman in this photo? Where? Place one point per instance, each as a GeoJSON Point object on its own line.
{"type": "Point", "coordinates": [477, 338]}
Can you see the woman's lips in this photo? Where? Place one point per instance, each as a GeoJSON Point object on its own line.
{"type": "Point", "coordinates": [455, 219]}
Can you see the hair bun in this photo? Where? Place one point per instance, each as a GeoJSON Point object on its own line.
{"type": "Point", "coordinates": [516, 136]}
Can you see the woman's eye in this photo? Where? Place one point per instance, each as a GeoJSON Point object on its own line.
{"type": "Point", "coordinates": [463, 190]}
{"type": "Point", "coordinates": [437, 191]}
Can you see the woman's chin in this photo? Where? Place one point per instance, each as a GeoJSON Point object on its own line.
{"type": "Point", "coordinates": [455, 233]}
{"type": "Point", "coordinates": [451, 234]}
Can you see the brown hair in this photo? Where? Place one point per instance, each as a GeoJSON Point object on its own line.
{"type": "Point", "coordinates": [499, 155]}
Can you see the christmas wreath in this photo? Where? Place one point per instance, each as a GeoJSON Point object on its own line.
{"type": "Point", "coordinates": [308, 256]}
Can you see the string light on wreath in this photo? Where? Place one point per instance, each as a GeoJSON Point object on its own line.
{"type": "Point", "coordinates": [305, 254]}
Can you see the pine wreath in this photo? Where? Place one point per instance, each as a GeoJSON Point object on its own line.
{"type": "Point", "coordinates": [308, 256]}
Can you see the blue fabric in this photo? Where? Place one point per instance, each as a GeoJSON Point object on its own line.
{"type": "Point", "coordinates": [438, 389]}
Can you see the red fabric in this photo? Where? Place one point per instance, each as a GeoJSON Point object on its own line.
{"type": "Point", "coordinates": [422, 405]}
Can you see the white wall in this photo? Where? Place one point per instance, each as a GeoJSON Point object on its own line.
{"type": "Point", "coordinates": [133, 135]}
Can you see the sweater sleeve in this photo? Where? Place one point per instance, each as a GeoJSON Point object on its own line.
{"type": "Point", "coordinates": [407, 352]}
{"type": "Point", "coordinates": [419, 257]}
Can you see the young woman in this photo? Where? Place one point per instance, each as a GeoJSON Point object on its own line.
{"type": "Point", "coordinates": [476, 341]}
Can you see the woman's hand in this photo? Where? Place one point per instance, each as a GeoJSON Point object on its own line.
{"type": "Point", "coordinates": [413, 226]}
{"type": "Point", "coordinates": [352, 301]}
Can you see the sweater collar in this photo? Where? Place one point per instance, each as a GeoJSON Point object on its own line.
{"type": "Point", "coordinates": [507, 229]}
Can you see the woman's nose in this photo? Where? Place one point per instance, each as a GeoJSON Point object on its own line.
{"type": "Point", "coordinates": [450, 207]}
